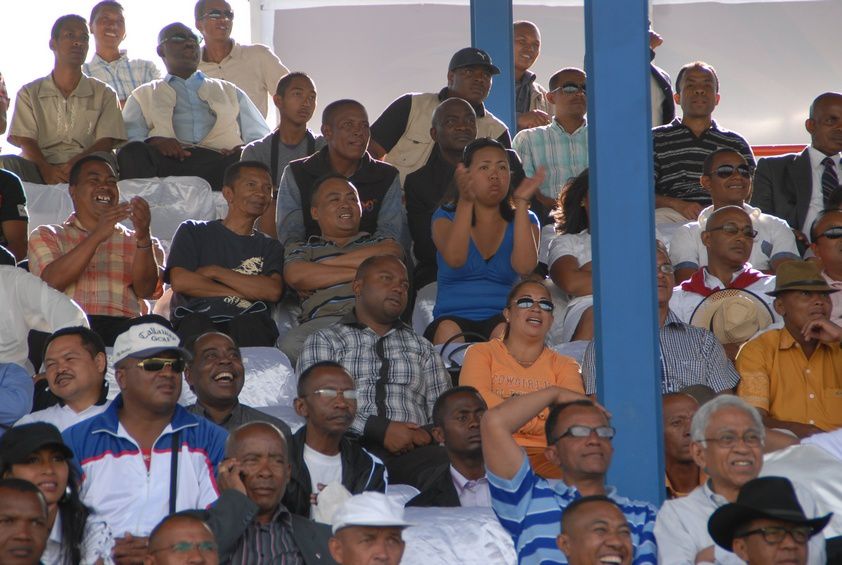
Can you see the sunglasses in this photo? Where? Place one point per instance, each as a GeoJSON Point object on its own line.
{"type": "Point", "coordinates": [526, 302]}
{"type": "Point", "coordinates": [732, 230]}
{"type": "Point", "coordinates": [725, 171]}
{"type": "Point", "coordinates": [219, 14]}
{"type": "Point", "coordinates": [180, 38]}
{"type": "Point", "coordinates": [331, 393]}
{"type": "Point", "coordinates": [154, 364]}
{"type": "Point", "coordinates": [831, 233]}
{"type": "Point", "coordinates": [604, 432]}
{"type": "Point", "coordinates": [572, 88]}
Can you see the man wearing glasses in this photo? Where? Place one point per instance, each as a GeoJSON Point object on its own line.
{"type": "Point", "coordinates": [254, 68]}
{"type": "Point", "coordinates": [186, 123]}
{"type": "Point", "coordinates": [579, 439]}
{"type": "Point", "coordinates": [728, 237]}
{"type": "Point", "coordinates": [793, 375]}
{"type": "Point", "coordinates": [562, 146]}
{"type": "Point", "coordinates": [131, 476]}
{"type": "Point", "coordinates": [182, 538]}
{"type": "Point", "coordinates": [727, 177]}
{"type": "Point", "coordinates": [727, 443]}
{"type": "Point", "coordinates": [825, 234]}
{"type": "Point", "coordinates": [320, 452]}
{"type": "Point", "coordinates": [689, 355]}
{"type": "Point", "coordinates": [766, 524]}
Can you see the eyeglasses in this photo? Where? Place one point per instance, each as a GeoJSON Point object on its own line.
{"type": "Point", "coordinates": [727, 441]}
{"type": "Point", "coordinates": [603, 432]}
{"type": "Point", "coordinates": [219, 14]}
{"type": "Point", "coordinates": [181, 38]}
{"type": "Point", "coordinates": [154, 364]}
{"type": "Point", "coordinates": [331, 393]}
{"type": "Point", "coordinates": [774, 535]}
{"type": "Point", "coordinates": [831, 233]}
{"type": "Point", "coordinates": [526, 302]}
{"type": "Point", "coordinates": [725, 171]}
{"type": "Point", "coordinates": [188, 546]}
{"type": "Point", "coordinates": [665, 269]}
{"type": "Point", "coordinates": [732, 230]}
{"type": "Point", "coordinates": [572, 88]}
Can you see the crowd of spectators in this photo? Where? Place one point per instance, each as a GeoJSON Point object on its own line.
{"type": "Point", "coordinates": [351, 233]}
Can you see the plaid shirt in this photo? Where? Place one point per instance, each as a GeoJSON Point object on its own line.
{"type": "Point", "coordinates": [564, 155]}
{"type": "Point", "coordinates": [123, 75]}
{"type": "Point", "coordinates": [398, 376]}
{"type": "Point", "coordinates": [689, 356]}
{"type": "Point", "coordinates": [105, 287]}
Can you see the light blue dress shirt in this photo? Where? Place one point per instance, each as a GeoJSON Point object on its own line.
{"type": "Point", "coordinates": [192, 116]}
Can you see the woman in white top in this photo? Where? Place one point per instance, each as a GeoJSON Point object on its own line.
{"type": "Point", "coordinates": [569, 258]}
{"type": "Point", "coordinates": [36, 453]}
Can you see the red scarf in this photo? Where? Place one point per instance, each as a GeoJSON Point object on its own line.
{"type": "Point", "coordinates": [696, 283]}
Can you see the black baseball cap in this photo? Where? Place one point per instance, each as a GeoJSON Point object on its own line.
{"type": "Point", "coordinates": [472, 57]}
{"type": "Point", "coordinates": [18, 442]}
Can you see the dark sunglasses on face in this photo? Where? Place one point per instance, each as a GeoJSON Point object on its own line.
{"type": "Point", "coordinates": [154, 364]}
{"type": "Point", "coordinates": [732, 229]}
{"type": "Point", "coordinates": [831, 233]}
{"type": "Point", "coordinates": [725, 171]}
{"type": "Point", "coordinates": [219, 14]}
{"type": "Point", "coordinates": [526, 302]}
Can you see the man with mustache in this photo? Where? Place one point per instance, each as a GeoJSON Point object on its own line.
{"type": "Point", "coordinates": [64, 116]}
{"type": "Point", "coordinates": [320, 452]}
{"type": "Point", "coordinates": [793, 375]}
{"type": "Point", "coordinates": [681, 146]}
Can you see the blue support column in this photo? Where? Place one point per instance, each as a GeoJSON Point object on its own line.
{"type": "Point", "coordinates": [622, 203]}
{"type": "Point", "coordinates": [491, 31]}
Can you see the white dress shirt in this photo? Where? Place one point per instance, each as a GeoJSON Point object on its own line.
{"type": "Point", "coordinates": [816, 197]}
{"type": "Point", "coordinates": [471, 493]}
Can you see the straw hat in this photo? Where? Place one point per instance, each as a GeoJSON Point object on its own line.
{"type": "Point", "coordinates": [733, 315]}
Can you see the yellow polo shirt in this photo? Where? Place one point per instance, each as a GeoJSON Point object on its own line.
{"type": "Point", "coordinates": [776, 376]}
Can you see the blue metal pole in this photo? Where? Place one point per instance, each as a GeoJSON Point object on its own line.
{"type": "Point", "coordinates": [491, 31]}
{"type": "Point", "coordinates": [622, 219]}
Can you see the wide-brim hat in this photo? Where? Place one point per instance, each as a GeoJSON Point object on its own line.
{"type": "Point", "coordinates": [472, 57]}
{"type": "Point", "coordinates": [20, 441]}
{"type": "Point", "coordinates": [765, 497]}
{"type": "Point", "coordinates": [800, 275]}
{"type": "Point", "coordinates": [733, 315]}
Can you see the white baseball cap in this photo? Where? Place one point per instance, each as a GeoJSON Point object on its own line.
{"type": "Point", "coordinates": [145, 340]}
{"type": "Point", "coordinates": [369, 509]}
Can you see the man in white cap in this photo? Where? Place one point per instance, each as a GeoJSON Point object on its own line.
{"type": "Point", "coordinates": [132, 475]}
{"type": "Point", "coordinates": [367, 529]}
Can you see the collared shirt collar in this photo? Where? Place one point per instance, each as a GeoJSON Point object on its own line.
{"type": "Point", "coordinates": [460, 481]}
{"type": "Point", "coordinates": [444, 94]}
{"type": "Point", "coordinates": [282, 515]}
{"type": "Point", "coordinates": [717, 499]}
{"type": "Point", "coordinates": [712, 282]}
{"type": "Point", "coordinates": [319, 239]}
{"type": "Point", "coordinates": [787, 341]}
{"type": "Point", "coordinates": [527, 78]}
{"type": "Point", "coordinates": [754, 214]}
{"type": "Point", "coordinates": [554, 124]}
{"type": "Point", "coordinates": [673, 320]}
{"type": "Point", "coordinates": [96, 59]}
{"type": "Point", "coordinates": [234, 412]}
{"type": "Point", "coordinates": [49, 89]}
{"type": "Point", "coordinates": [197, 77]}
{"type": "Point", "coordinates": [833, 283]}
{"type": "Point", "coordinates": [350, 319]}
{"type": "Point", "coordinates": [816, 157]}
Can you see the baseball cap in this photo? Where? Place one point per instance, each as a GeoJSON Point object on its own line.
{"type": "Point", "coordinates": [471, 56]}
{"type": "Point", "coordinates": [145, 340]}
{"type": "Point", "coordinates": [17, 443]}
{"type": "Point", "coordinates": [369, 509]}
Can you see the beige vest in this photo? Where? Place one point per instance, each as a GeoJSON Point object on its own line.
{"type": "Point", "coordinates": [157, 102]}
{"type": "Point", "coordinates": [414, 147]}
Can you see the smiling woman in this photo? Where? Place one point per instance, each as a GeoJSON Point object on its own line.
{"type": "Point", "coordinates": [521, 363]}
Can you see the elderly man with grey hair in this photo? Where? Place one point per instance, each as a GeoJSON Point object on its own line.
{"type": "Point", "coordinates": [727, 443]}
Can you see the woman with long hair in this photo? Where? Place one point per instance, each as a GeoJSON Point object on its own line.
{"type": "Point", "coordinates": [36, 453]}
{"type": "Point", "coordinates": [569, 258]}
{"type": "Point", "coordinates": [521, 363]}
{"type": "Point", "coordinates": [486, 239]}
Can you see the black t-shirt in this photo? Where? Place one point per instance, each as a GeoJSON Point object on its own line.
{"type": "Point", "coordinates": [391, 124]}
{"type": "Point", "coordinates": [197, 244]}
{"type": "Point", "coordinates": [12, 201]}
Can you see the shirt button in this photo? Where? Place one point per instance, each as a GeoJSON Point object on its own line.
{"type": "Point", "coordinates": [811, 395]}
{"type": "Point", "coordinates": [806, 371]}
{"type": "Point", "coordinates": [812, 422]}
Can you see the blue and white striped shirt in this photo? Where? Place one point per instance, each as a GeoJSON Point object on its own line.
{"type": "Point", "coordinates": [564, 155]}
{"type": "Point", "coordinates": [529, 508]}
{"type": "Point", "coordinates": [123, 75]}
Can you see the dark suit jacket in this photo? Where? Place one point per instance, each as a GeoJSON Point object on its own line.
{"type": "Point", "coordinates": [440, 491]}
{"type": "Point", "coordinates": [782, 187]}
{"type": "Point", "coordinates": [664, 82]}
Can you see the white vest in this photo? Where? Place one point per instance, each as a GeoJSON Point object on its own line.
{"type": "Point", "coordinates": [414, 147]}
{"type": "Point", "coordinates": [157, 102]}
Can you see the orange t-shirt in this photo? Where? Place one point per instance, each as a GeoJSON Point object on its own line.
{"type": "Point", "coordinates": [490, 368]}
